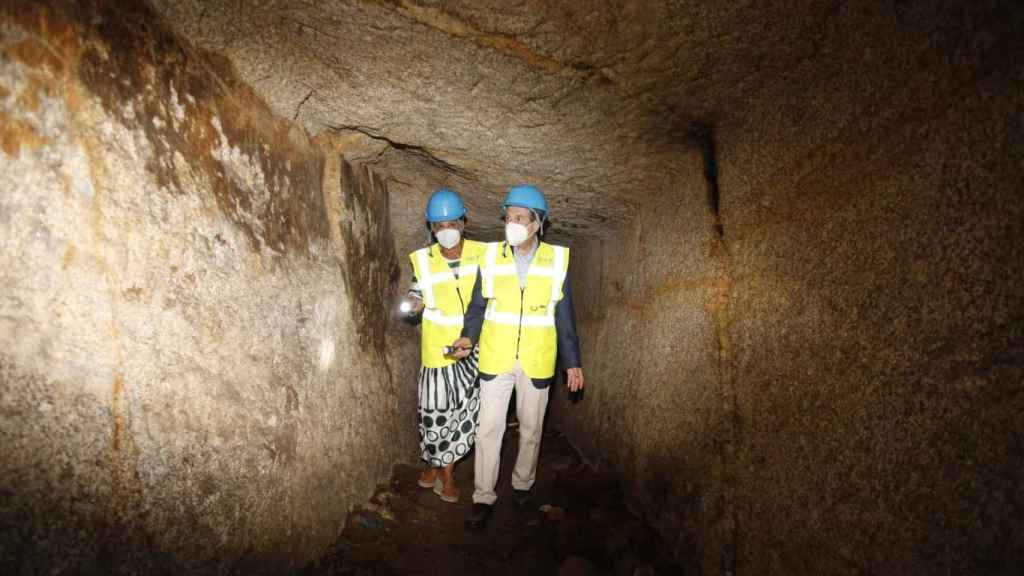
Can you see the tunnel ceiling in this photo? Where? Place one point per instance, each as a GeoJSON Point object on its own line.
{"type": "Point", "coordinates": [591, 100]}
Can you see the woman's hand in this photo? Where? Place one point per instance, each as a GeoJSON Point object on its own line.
{"type": "Point", "coordinates": [462, 347]}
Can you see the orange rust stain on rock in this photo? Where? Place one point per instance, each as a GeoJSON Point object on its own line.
{"type": "Point", "coordinates": [363, 192]}
{"type": "Point", "coordinates": [37, 87]}
{"type": "Point", "coordinates": [637, 306]}
{"type": "Point", "coordinates": [16, 133]}
{"type": "Point", "coordinates": [460, 27]}
{"type": "Point", "coordinates": [721, 287]}
{"type": "Point", "coordinates": [69, 256]}
{"type": "Point", "coordinates": [28, 101]}
{"type": "Point", "coordinates": [125, 485]}
{"type": "Point", "coordinates": [117, 411]}
{"type": "Point", "coordinates": [34, 54]}
{"type": "Point", "coordinates": [49, 46]}
{"type": "Point", "coordinates": [133, 294]}
{"type": "Point", "coordinates": [652, 295]}
{"type": "Point", "coordinates": [124, 56]}
{"type": "Point", "coordinates": [150, 63]}
{"type": "Point", "coordinates": [53, 41]}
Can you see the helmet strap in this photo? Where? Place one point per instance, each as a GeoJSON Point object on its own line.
{"type": "Point", "coordinates": [540, 222]}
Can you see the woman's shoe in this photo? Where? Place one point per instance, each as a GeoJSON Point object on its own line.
{"type": "Point", "coordinates": [428, 478]}
{"type": "Point", "coordinates": [439, 490]}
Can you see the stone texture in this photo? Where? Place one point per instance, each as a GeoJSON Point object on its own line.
{"type": "Point", "coordinates": [874, 305]}
{"type": "Point", "coordinates": [836, 366]}
{"type": "Point", "coordinates": [497, 108]}
{"type": "Point", "coordinates": [591, 101]}
{"type": "Point", "coordinates": [655, 410]}
{"type": "Point", "coordinates": [192, 367]}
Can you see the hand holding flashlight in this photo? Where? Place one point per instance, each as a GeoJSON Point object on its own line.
{"type": "Point", "coordinates": [460, 348]}
{"type": "Point", "coordinates": [410, 306]}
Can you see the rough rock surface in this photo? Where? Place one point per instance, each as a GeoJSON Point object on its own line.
{"type": "Point", "coordinates": [656, 410]}
{"type": "Point", "coordinates": [192, 327]}
{"type": "Point", "coordinates": [593, 101]}
{"type": "Point", "coordinates": [876, 342]}
{"type": "Point", "coordinates": [485, 92]}
{"type": "Point", "coordinates": [810, 362]}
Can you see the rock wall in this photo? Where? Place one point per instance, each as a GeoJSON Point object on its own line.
{"type": "Point", "coordinates": [831, 366]}
{"type": "Point", "coordinates": [192, 310]}
{"type": "Point", "coordinates": [654, 409]}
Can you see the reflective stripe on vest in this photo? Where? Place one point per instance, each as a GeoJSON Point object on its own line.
{"type": "Point", "coordinates": [444, 298]}
{"type": "Point", "coordinates": [489, 268]}
{"type": "Point", "coordinates": [519, 323]}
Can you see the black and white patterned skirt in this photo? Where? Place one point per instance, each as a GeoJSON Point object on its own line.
{"type": "Point", "coordinates": [449, 400]}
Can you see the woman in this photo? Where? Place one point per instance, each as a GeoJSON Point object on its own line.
{"type": "Point", "coordinates": [445, 273]}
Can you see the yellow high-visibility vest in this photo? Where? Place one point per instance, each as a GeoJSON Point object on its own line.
{"type": "Point", "coordinates": [520, 323]}
{"type": "Point", "coordinates": [445, 298]}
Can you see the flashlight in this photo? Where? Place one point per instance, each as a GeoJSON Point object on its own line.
{"type": "Point", "coordinates": [408, 306]}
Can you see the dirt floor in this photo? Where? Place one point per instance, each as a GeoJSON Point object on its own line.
{"type": "Point", "coordinates": [576, 524]}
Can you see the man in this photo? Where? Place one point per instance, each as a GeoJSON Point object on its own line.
{"type": "Point", "coordinates": [522, 316]}
{"type": "Point", "coordinates": [445, 273]}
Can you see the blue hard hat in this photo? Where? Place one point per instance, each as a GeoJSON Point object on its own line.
{"type": "Point", "coordinates": [526, 196]}
{"type": "Point", "coordinates": [445, 205]}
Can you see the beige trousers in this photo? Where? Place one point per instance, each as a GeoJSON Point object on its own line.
{"type": "Point", "coordinates": [531, 404]}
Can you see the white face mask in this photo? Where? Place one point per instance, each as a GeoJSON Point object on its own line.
{"type": "Point", "coordinates": [516, 233]}
{"type": "Point", "coordinates": [448, 238]}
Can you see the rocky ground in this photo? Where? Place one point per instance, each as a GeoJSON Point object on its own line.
{"type": "Point", "coordinates": [576, 524]}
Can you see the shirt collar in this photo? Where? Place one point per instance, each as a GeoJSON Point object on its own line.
{"type": "Point", "coordinates": [528, 255]}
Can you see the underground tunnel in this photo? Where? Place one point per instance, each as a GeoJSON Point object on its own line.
{"type": "Point", "coordinates": [797, 247]}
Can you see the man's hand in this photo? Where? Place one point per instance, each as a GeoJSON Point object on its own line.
{"type": "Point", "coordinates": [463, 347]}
{"type": "Point", "coordinates": [575, 379]}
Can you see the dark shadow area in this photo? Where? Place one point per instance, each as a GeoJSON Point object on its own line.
{"type": "Point", "coordinates": [576, 523]}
